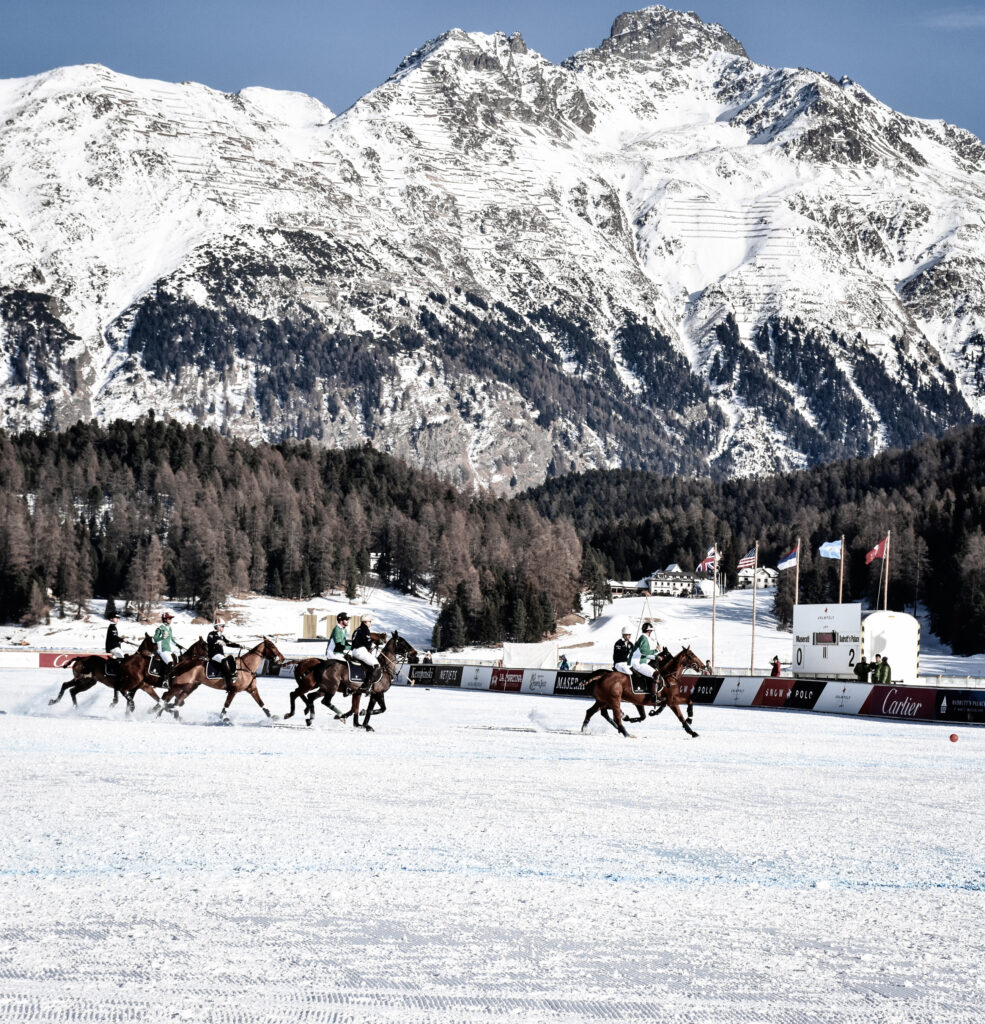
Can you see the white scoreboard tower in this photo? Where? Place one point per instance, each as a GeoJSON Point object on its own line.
{"type": "Point", "coordinates": [827, 639]}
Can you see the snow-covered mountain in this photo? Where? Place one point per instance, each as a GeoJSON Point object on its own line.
{"type": "Point", "coordinates": [658, 253]}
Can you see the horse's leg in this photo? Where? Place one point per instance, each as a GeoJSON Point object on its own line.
{"type": "Point", "coordinates": [611, 720]}
{"type": "Point", "coordinates": [677, 711]}
{"type": "Point", "coordinates": [591, 711]}
{"type": "Point", "coordinates": [61, 692]}
{"type": "Point", "coordinates": [294, 694]}
{"type": "Point", "coordinates": [369, 711]}
{"type": "Point", "coordinates": [80, 687]}
{"type": "Point", "coordinates": [380, 704]}
{"type": "Point", "coordinates": [617, 714]}
{"type": "Point", "coordinates": [255, 694]}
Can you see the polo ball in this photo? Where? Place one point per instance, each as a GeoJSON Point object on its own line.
{"type": "Point", "coordinates": [954, 737]}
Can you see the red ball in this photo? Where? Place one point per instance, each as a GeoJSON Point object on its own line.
{"type": "Point", "coordinates": [954, 737]}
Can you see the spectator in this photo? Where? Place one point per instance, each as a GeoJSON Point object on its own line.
{"type": "Point", "coordinates": [882, 674]}
{"type": "Point", "coordinates": [862, 670]}
{"type": "Point", "coordinates": [427, 658]}
{"type": "Point", "coordinates": [775, 665]}
{"type": "Point", "coordinates": [563, 665]}
{"type": "Point", "coordinates": [706, 671]}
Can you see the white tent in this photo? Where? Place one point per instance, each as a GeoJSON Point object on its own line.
{"type": "Point", "coordinates": [530, 655]}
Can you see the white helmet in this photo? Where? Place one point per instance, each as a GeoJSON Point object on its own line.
{"type": "Point", "coordinates": [368, 617]}
{"type": "Point", "coordinates": [218, 622]}
{"type": "Point", "coordinates": [627, 629]}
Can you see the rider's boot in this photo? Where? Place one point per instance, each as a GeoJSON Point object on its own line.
{"type": "Point", "coordinates": [654, 690]}
{"type": "Point", "coordinates": [373, 672]}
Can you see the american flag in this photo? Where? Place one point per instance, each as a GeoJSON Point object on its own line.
{"type": "Point", "coordinates": [748, 560]}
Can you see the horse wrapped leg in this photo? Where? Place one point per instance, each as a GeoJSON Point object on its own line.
{"type": "Point", "coordinates": [61, 692]}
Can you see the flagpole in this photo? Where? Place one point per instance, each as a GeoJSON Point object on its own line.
{"type": "Point", "coordinates": [752, 648]}
{"type": "Point", "coordinates": [841, 576]}
{"type": "Point", "coordinates": [714, 603]}
{"type": "Point", "coordinates": [796, 586]}
{"type": "Point", "coordinates": [885, 593]}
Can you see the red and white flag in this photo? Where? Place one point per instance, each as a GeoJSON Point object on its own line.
{"type": "Point", "coordinates": [748, 560]}
{"type": "Point", "coordinates": [879, 551]}
{"type": "Point", "coordinates": [708, 562]}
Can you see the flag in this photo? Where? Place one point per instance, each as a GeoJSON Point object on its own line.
{"type": "Point", "coordinates": [748, 560]}
{"type": "Point", "coordinates": [708, 562]}
{"type": "Point", "coordinates": [788, 561]}
{"type": "Point", "coordinates": [879, 551]}
{"type": "Point", "coordinates": [830, 550]}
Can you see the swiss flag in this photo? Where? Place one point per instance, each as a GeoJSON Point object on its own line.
{"type": "Point", "coordinates": [879, 551]}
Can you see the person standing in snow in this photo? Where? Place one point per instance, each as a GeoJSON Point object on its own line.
{"type": "Point", "coordinates": [882, 674]}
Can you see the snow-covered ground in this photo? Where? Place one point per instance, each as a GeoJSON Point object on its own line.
{"type": "Point", "coordinates": [472, 860]}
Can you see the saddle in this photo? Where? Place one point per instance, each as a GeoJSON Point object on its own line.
{"type": "Point", "coordinates": [111, 669]}
{"type": "Point", "coordinates": [213, 669]}
{"type": "Point", "coordinates": [641, 684]}
{"type": "Point", "coordinates": [357, 671]}
{"type": "Point", "coordinates": [156, 667]}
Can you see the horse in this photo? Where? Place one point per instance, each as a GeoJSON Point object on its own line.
{"type": "Point", "coordinates": [610, 688]}
{"type": "Point", "coordinates": [191, 673]}
{"type": "Point", "coordinates": [326, 678]}
{"type": "Point", "coordinates": [131, 674]}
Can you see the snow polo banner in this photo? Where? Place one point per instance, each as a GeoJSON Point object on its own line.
{"type": "Point", "coordinates": [739, 691]}
{"type": "Point", "coordinates": [804, 694]}
{"type": "Point", "coordinates": [773, 693]}
{"type": "Point", "coordinates": [912, 702]}
{"type": "Point", "coordinates": [960, 706]}
{"type": "Point", "coordinates": [507, 680]}
{"type": "Point", "coordinates": [706, 689]}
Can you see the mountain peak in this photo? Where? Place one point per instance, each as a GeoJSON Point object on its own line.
{"type": "Point", "coordinates": [659, 31]}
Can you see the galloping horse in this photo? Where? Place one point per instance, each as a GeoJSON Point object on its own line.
{"type": "Point", "coordinates": [396, 647]}
{"type": "Point", "coordinates": [317, 678]}
{"type": "Point", "coordinates": [610, 688]}
{"type": "Point", "coordinates": [190, 674]}
{"type": "Point", "coordinates": [131, 674]}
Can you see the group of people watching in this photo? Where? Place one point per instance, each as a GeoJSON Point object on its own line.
{"type": "Point", "coordinates": [877, 671]}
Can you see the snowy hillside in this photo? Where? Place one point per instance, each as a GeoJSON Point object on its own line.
{"type": "Point", "coordinates": [658, 253]}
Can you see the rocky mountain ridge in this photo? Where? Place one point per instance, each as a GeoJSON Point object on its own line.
{"type": "Point", "coordinates": [657, 254]}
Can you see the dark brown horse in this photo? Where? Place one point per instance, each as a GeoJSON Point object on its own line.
{"type": "Point", "coordinates": [326, 678]}
{"type": "Point", "coordinates": [611, 688]}
{"type": "Point", "coordinates": [131, 674]}
{"type": "Point", "coordinates": [191, 674]}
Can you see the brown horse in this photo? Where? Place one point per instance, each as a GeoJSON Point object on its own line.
{"type": "Point", "coordinates": [327, 678]}
{"type": "Point", "coordinates": [610, 688]}
{"type": "Point", "coordinates": [131, 674]}
{"type": "Point", "coordinates": [191, 674]}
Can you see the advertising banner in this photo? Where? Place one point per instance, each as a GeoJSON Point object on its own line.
{"type": "Point", "coordinates": [507, 680]}
{"type": "Point", "coordinates": [59, 659]}
{"type": "Point", "coordinates": [739, 691]}
{"type": "Point", "coordinates": [773, 693]}
{"type": "Point", "coordinates": [706, 689]}
{"type": "Point", "coordinates": [538, 680]}
{"type": "Point", "coordinates": [911, 702]}
{"type": "Point", "coordinates": [960, 706]}
{"type": "Point", "coordinates": [804, 694]}
{"type": "Point", "coordinates": [686, 685]}
{"type": "Point", "coordinates": [570, 684]}
{"type": "Point", "coordinates": [435, 675]}
{"type": "Point", "coordinates": [843, 698]}
{"type": "Point", "coordinates": [476, 677]}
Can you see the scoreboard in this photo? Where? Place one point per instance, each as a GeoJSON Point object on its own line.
{"type": "Point", "coordinates": [827, 639]}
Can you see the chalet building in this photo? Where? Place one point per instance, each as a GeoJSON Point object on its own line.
{"type": "Point", "coordinates": [765, 578]}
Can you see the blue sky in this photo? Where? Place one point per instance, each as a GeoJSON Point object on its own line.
{"type": "Point", "coordinates": [922, 58]}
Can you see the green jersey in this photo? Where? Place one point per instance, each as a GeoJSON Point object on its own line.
{"type": "Point", "coordinates": [338, 642]}
{"type": "Point", "coordinates": [643, 648]}
{"type": "Point", "coordinates": [163, 637]}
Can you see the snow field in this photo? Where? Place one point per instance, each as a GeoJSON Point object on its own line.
{"type": "Point", "coordinates": [467, 862]}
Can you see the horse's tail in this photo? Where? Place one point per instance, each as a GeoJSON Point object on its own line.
{"type": "Point", "coordinates": [595, 677]}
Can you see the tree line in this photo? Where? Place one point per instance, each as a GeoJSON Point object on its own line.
{"type": "Point", "coordinates": [139, 511]}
